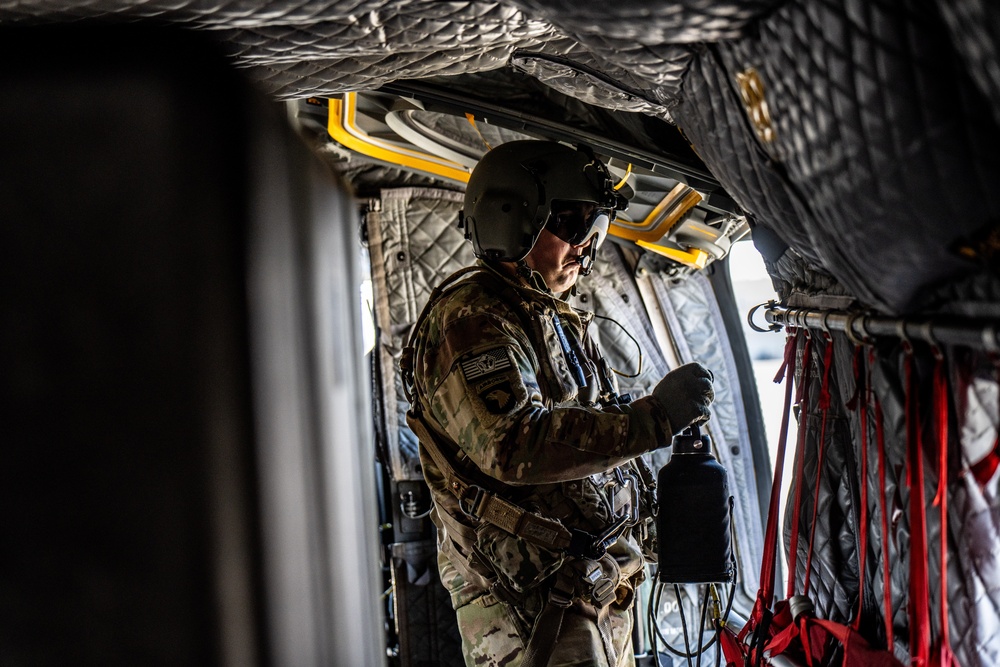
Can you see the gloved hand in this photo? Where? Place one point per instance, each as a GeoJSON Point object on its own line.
{"type": "Point", "coordinates": [685, 394]}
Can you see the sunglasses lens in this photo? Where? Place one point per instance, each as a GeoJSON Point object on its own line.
{"type": "Point", "coordinates": [574, 222]}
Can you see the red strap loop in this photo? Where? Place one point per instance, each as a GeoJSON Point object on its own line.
{"type": "Point", "coordinates": [862, 400]}
{"type": "Point", "coordinates": [945, 656]}
{"type": "Point", "coordinates": [883, 501]}
{"type": "Point", "coordinates": [984, 469]}
{"type": "Point", "coordinates": [787, 372]}
{"type": "Point", "coordinates": [919, 585]}
{"type": "Point", "coordinates": [803, 401]}
{"type": "Point", "coordinates": [824, 409]}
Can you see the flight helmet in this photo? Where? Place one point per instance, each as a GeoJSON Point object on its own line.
{"type": "Point", "coordinates": [521, 187]}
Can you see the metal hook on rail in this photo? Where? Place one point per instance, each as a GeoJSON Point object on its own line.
{"type": "Point", "coordinates": [865, 338]}
{"type": "Point", "coordinates": [904, 339]}
{"type": "Point", "coordinates": [774, 326]}
{"type": "Point", "coordinates": [927, 333]}
{"type": "Point", "coordinates": [825, 326]}
{"type": "Point", "coordinates": [792, 318]}
{"type": "Point", "coordinates": [792, 315]}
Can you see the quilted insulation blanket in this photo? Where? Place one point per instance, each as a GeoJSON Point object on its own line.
{"type": "Point", "coordinates": [861, 138]}
{"type": "Point", "coordinates": [834, 123]}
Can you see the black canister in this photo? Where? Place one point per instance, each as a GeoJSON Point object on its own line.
{"type": "Point", "coordinates": [694, 514]}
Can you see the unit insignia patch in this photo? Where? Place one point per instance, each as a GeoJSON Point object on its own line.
{"type": "Point", "coordinates": [497, 394]}
{"type": "Point", "coordinates": [486, 363]}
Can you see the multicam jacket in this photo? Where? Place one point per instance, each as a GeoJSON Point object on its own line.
{"type": "Point", "coordinates": [508, 380]}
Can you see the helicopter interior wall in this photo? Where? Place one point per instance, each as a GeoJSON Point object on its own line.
{"type": "Point", "coordinates": [861, 137]}
{"type": "Point", "coordinates": [123, 337]}
{"type": "Point", "coordinates": [872, 133]}
{"type": "Point", "coordinates": [150, 506]}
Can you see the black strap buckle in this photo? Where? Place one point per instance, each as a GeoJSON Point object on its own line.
{"type": "Point", "coordinates": [584, 545]}
{"type": "Point", "coordinates": [560, 598]}
{"type": "Point", "coordinates": [471, 505]}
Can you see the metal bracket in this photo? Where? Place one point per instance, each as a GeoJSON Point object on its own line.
{"type": "Point", "coordinates": [771, 327]}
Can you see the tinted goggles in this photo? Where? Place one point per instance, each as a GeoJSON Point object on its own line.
{"type": "Point", "coordinates": [579, 222]}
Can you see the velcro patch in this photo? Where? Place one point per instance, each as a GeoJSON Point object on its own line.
{"type": "Point", "coordinates": [486, 363]}
{"type": "Point", "coordinates": [499, 397]}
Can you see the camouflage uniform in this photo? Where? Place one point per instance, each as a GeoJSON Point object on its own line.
{"type": "Point", "coordinates": [500, 390]}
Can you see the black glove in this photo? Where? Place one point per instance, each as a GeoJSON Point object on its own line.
{"type": "Point", "coordinates": [685, 394]}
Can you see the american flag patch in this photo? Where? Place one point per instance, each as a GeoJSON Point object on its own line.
{"type": "Point", "coordinates": [486, 363]}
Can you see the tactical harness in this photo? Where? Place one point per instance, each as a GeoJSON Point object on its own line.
{"type": "Point", "coordinates": [595, 577]}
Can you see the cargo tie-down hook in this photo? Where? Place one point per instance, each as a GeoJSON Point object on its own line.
{"type": "Point", "coordinates": [774, 326]}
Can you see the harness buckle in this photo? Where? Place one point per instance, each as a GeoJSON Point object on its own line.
{"type": "Point", "coordinates": [584, 545]}
{"type": "Point", "coordinates": [560, 598]}
{"type": "Point", "coordinates": [470, 506]}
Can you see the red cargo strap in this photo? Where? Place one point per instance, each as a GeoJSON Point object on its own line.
{"type": "Point", "coordinates": [803, 401]}
{"type": "Point", "coordinates": [984, 469]}
{"type": "Point", "coordinates": [766, 593]}
{"type": "Point", "coordinates": [771, 628]}
{"type": "Point", "coordinates": [733, 646]}
{"type": "Point", "coordinates": [919, 587]}
{"type": "Point", "coordinates": [824, 411]}
{"type": "Point", "coordinates": [943, 656]}
{"type": "Point", "coordinates": [860, 402]}
{"type": "Point", "coordinates": [884, 503]}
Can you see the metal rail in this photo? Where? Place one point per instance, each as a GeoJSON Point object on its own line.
{"type": "Point", "coordinates": [863, 327]}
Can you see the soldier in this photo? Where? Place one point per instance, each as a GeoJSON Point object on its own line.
{"type": "Point", "coordinates": [542, 503]}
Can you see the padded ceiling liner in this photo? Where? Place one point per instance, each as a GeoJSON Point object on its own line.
{"type": "Point", "coordinates": [879, 167]}
{"type": "Point", "coordinates": [320, 47]}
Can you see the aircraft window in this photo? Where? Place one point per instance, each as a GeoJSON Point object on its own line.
{"type": "Point", "coordinates": [367, 306]}
{"type": "Point", "coordinates": [752, 286]}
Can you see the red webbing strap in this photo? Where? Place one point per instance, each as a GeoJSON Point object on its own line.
{"type": "Point", "coordinates": [766, 593]}
{"type": "Point", "coordinates": [824, 411]}
{"type": "Point", "coordinates": [984, 469]}
{"type": "Point", "coordinates": [804, 639]}
{"type": "Point", "coordinates": [919, 587]}
{"type": "Point", "coordinates": [884, 506]}
{"type": "Point", "coordinates": [862, 380]}
{"type": "Point", "coordinates": [943, 656]}
{"type": "Point", "coordinates": [803, 401]}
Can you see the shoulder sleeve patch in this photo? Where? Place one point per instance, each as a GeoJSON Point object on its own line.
{"type": "Point", "coordinates": [486, 363]}
{"type": "Point", "coordinates": [497, 394]}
